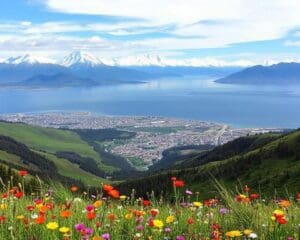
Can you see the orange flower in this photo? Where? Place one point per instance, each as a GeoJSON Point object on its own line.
{"type": "Point", "coordinates": [66, 214]}
{"type": "Point", "coordinates": [97, 238]}
{"type": "Point", "coordinates": [40, 219]}
{"type": "Point", "coordinates": [111, 217]}
{"type": "Point", "coordinates": [97, 204]}
{"type": "Point", "coordinates": [43, 208]}
{"type": "Point", "coordinates": [107, 188]}
{"type": "Point", "coordinates": [114, 193]}
{"type": "Point", "coordinates": [284, 203]}
{"type": "Point", "coordinates": [74, 189]}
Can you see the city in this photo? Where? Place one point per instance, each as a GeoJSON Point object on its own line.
{"type": "Point", "coordinates": [153, 134]}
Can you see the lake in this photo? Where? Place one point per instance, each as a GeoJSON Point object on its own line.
{"type": "Point", "coordinates": [189, 98]}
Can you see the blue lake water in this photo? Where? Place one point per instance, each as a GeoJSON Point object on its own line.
{"type": "Point", "coordinates": [189, 98]}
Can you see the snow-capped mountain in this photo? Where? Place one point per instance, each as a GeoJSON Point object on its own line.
{"type": "Point", "coordinates": [27, 59]}
{"type": "Point", "coordinates": [141, 60]}
{"type": "Point", "coordinates": [77, 57]}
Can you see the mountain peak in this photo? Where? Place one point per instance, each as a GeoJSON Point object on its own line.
{"type": "Point", "coordinates": [27, 59]}
{"type": "Point", "coordinates": [142, 60]}
{"type": "Point", "coordinates": [78, 57]}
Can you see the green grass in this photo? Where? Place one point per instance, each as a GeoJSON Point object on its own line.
{"type": "Point", "coordinates": [68, 169]}
{"type": "Point", "coordinates": [48, 139]}
{"type": "Point", "coordinates": [8, 158]}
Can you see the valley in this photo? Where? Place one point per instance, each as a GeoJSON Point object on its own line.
{"type": "Point", "coordinates": [151, 136]}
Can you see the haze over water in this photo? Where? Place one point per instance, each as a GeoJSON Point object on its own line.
{"type": "Point", "coordinates": [189, 98]}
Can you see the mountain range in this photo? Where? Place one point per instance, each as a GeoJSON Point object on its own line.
{"type": "Point", "coordinates": [277, 74]}
{"type": "Point", "coordinates": [83, 69]}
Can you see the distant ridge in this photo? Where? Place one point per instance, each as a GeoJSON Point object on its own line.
{"type": "Point", "coordinates": [277, 74]}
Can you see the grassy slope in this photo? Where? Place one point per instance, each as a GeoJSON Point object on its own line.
{"type": "Point", "coordinates": [47, 141]}
{"type": "Point", "coordinates": [272, 165]}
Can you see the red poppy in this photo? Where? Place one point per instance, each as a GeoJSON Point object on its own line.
{"type": "Point", "coordinates": [23, 173]}
{"type": "Point", "coordinates": [281, 220]}
{"type": "Point", "coordinates": [2, 219]}
{"type": "Point", "coordinates": [254, 196]}
{"type": "Point", "coordinates": [150, 222]}
{"type": "Point", "coordinates": [90, 215]}
{"type": "Point", "coordinates": [154, 212]}
{"type": "Point", "coordinates": [18, 194]}
{"type": "Point", "coordinates": [146, 203]}
{"type": "Point", "coordinates": [178, 183]}
{"type": "Point", "coordinates": [190, 221]}
{"type": "Point", "coordinates": [40, 219]}
{"type": "Point", "coordinates": [30, 208]}
{"type": "Point", "coordinates": [5, 195]}
{"type": "Point", "coordinates": [298, 197]}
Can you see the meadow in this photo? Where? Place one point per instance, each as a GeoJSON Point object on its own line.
{"type": "Point", "coordinates": [55, 212]}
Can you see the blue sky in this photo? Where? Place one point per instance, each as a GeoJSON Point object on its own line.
{"type": "Point", "coordinates": [238, 32]}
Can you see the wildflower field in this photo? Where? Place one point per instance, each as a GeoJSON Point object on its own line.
{"type": "Point", "coordinates": [60, 213]}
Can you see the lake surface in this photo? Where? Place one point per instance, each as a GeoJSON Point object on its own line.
{"type": "Point", "coordinates": [188, 98]}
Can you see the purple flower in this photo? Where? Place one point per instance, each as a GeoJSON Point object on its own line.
{"type": "Point", "coordinates": [139, 228]}
{"type": "Point", "coordinates": [188, 192]}
{"type": "Point", "coordinates": [167, 230]}
{"type": "Point", "coordinates": [89, 207]}
{"type": "Point", "coordinates": [223, 211]}
{"type": "Point", "coordinates": [79, 227]}
{"type": "Point", "coordinates": [105, 236]}
{"type": "Point", "coordinates": [180, 238]}
{"type": "Point", "coordinates": [183, 204]}
{"type": "Point", "coordinates": [89, 231]}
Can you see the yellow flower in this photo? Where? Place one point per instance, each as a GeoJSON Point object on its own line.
{"type": "Point", "coordinates": [3, 206]}
{"type": "Point", "coordinates": [170, 219]}
{"type": "Point", "coordinates": [197, 204]}
{"type": "Point", "coordinates": [123, 197]}
{"type": "Point", "coordinates": [158, 223]}
{"type": "Point", "coordinates": [278, 212]}
{"type": "Point", "coordinates": [20, 217]}
{"type": "Point", "coordinates": [234, 233]}
{"type": "Point", "coordinates": [97, 204]}
{"type": "Point", "coordinates": [52, 225]}
{"type": "Point", "coordinates": [247, 232]}
{"type": "Point", "coordinates": [64, 229]}
{"type": "Point", "coordinates": [128, 216]}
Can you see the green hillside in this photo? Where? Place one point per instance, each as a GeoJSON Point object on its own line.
{"type": "Point", "coordinates": [68, 154]}
{"type": "Point", "coordinates": [266, 162]}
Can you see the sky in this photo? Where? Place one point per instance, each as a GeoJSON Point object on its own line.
{"type": "Point", "coordinates": [234, 32]}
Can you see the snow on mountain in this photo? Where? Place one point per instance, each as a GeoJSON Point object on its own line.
{"type": "Point", "coordinates": [27, 59]}
{"type": "Point", "coordinates": [78, 57]}
{"type": "Point", "coordinates": [141, 60]}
